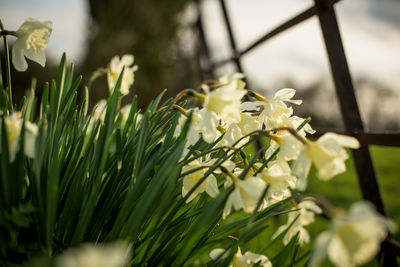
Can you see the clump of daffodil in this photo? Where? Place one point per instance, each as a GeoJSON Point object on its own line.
{"type": "Point", "coordinates": [32, 38]}
{"type": "Point", "coordinates": [114, 70]}
{"type": "Point", "coordinates": [239, 260]}
{"type": "Point", "coordinates": [354, 238]}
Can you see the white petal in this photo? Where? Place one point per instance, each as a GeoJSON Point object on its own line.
{"type": "Point", "coordinates": [212, 186]}
{"type": "Point", "coordinates": [337, 252]}
{"type": "Point", "coordinates": [38, 57]}
{"type": "Point", "coordinates": [18, 59]}
{"type": "Point", "coordinates": [215, 253]}
{"type": "Point", "coordinates": [319, 252]}
{"type": "Point", "coordinates": [127, 60]}
{"type": "Point", "coordinates": [301, 168]}
{"type": "Point", "coordinates": [343, 140]}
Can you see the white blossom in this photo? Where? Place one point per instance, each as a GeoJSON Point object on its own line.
{"type": "Point", "coordinates": [209, 185]}
{"type": "Point", "coordinates": [117, 254]}
{"type": "Point", "coordinates": [301, 215]}
{"type": "Point", "coordinates": [225, 100]}
{"type": "Point", "coordinates": [33, 37]}
{"type": "Point", "coordinates": [239, 260]}
{"type": "Point", "coordinates": [13, 124]}
{"type": "Point", "coordinates": [353, 239]}
{"type": "Point", "coordinates": [327, 154]}
{"type": "Point", "coordinates": [115, 68]}
{"type": "Point", "coordinates": [246, 194]}
{"type": "Point", "coordinates": [279, 178]}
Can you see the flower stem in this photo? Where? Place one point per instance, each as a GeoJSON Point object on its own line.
{"type": "Point", "coordinates": [8, 71]}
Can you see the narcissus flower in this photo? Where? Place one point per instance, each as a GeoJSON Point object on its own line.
{"type": "Point", "coordinates": [225, 101]}
{"type": "Point", "coordinates": [189, 181]}
{"type": "Point", "coordinates": [33, 37]}
{"type": "Point", "coordinates": [245, 196]}
{"type": "Point", "coordinates": [302, 215]}
{"type": "Point", "coordinates": [328, 156]}
{"type": "Point", "coordinates": [279, 179]}
{"type": "Point", "coordinates": [239, 260]}
{"type": "Point", "coordinates": [117, 254]}
{"type": "Point", "coordinates": [13, 125]}
{"type": "Point", "coordinates": [115, 68]}
{"type": "Point", "coordinates": [353, 239]}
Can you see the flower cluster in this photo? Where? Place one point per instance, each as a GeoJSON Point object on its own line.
{"type": "Point", "coordinates": [227, 122]}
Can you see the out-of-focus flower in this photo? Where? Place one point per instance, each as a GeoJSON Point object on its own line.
{"type": "Point", "coordinates": [353, 239]}
{"type": "Point", "coordinates": [116, 66]}
{"type": "Point", "coordinates": [279, 179]}
{"type": "Point", "coordinates": [125, 114]}
{"type": "Point", "coordinates": [302, 215]}
{"type": "Point", "coordinates": [13, 124]}
{"type": "Point", "coordinates": [117, 254]}
{"type": "Point", "coordinates": [246, 194]}
{"type": "Point", "coordinates": [33, 37]}
{"type": "Point", "coordinates": [225, 101]}
{"type": "Point", "coordinates": [31, 132]}
{"type": "Point", "coordinates": [328, 156]}
{"type": "Point", "coordinates": [239, 260]}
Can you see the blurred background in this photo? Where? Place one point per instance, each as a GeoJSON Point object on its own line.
{"type": "Point", "coordinates": [161, 36]}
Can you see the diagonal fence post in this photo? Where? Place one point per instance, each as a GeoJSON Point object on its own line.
{"type": "Point", "coordinates": [350, 112]}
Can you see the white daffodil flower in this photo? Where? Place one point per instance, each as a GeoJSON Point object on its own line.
{"type": "Point", "coordinates": [203, 124]}
{"type": "Point", "coordinates": [353, 239]}
{"type": "Point", "coordinates": [117, 254]}
{"type": "Point", "coordinates": [33, 37]}
{"type": "Point", "coordinates": [13, 125]}
{"type": "Point", "coordinates": [115, 68]}
{"type": "Point", "coordinates": [31, 132]}
{"type": "Point", "coordinates": [209, 185]}
{"type": "Point", "coordinates": [225, 101]}
{"type": "Point", "coordinates": [235, 131]}
{"type": "Point", "coordinates": [290, 147]}
{"type": "Point", "coordinates": [125, 110]}
{"type": "Point", "coordinates": [275, 112]}
{"type": "Point", "coordinates": [245, 196]}
{"type": "Point", "coordinates": [328, 156]}
{"type": "Point", "coordinates": [302, 215]}
{"type": "Point", "coordinates": [278, 176]}
{"type": "Point", "coordinates": [239, 260]}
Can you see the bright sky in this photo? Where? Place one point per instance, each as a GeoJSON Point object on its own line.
{"type": "Point", "coordinates": [370, 32]}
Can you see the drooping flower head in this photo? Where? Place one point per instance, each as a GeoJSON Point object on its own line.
{"type": "Point", "coordinates": [239, 260]}
{"type": "Point", "coordinates": [33, 37]}
{"type": "Point", "coordinates": [353, 239]}
{"type": "Point", "coordinates": [116, 66]}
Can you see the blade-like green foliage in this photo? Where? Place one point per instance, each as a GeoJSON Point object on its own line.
{"type": "Point", "coordinates": [99, 180]}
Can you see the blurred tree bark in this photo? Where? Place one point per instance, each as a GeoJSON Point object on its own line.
{"type": "Point", "coordinates": [148, 30]}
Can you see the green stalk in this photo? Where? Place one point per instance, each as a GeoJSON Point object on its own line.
{"type": "Point", "coordinates": [8, 71]}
